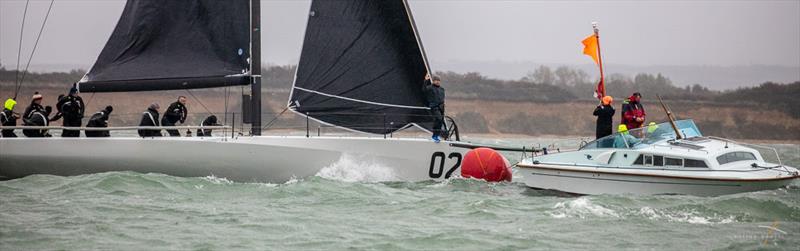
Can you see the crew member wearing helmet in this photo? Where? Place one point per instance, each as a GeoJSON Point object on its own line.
{"type": "Point", "coordinates": [605, 115]}
{"type": "Point", "coordinates": [9, 118]}
{"type": "Point", "coordinates": [633, 115]}
{"type": "Point", "coordinates": [624, 139]}
{"type": "Point", "coordinates": [72, 108]}
{"type": "Point", "coordinates": [99, 119]}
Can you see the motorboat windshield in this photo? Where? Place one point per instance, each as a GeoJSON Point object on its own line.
{"type": "Point", "coordinates": [646, 135]}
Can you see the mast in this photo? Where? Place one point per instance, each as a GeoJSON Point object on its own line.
{"type": "Point", "coordinates": [255, 66]}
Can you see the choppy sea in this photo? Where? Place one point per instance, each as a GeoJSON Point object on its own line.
{"type": "Point", "coordinates": [338, 210]}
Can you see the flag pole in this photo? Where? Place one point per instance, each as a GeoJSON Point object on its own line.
{"type": "Point", "coordinates": [599, 59]}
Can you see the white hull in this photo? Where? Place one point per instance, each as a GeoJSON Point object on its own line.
{"type": "Point", "coordinates": [593, 180]}
{"type": "Point", "coordinates": [272, 159]}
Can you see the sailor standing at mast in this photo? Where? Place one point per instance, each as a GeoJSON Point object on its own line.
{"type": "Point", "coordinates": [174, 113]}
{"type": "Point", "coordinates": [434, 94]}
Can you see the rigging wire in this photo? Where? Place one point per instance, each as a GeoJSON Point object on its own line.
{"type": "Point", "coordinates": [19, 50]}
{"type": "Point", "coordinates": [35, 45]}
{"type": "Point", "coordinates": [275, 118]}
{"type": "Point", "coordinates": [200, 102]}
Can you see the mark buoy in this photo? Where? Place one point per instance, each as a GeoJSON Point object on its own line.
{"type": "Point", "coordinates": [486, 164]}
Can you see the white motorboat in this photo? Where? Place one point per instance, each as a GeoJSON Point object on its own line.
{"type": "Point", "coordinates": [652, 160]}
{"type": "Point", "coordinates": [361, 69]}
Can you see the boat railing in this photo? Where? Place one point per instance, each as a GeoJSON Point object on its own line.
{"type": "Point", "coordinates": [117, 128]}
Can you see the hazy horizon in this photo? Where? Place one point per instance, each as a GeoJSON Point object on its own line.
{"type": "Point", "coordinates": [488, 34]}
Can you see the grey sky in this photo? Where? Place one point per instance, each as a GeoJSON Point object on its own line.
{"type": "Point", "coordinates": [633, 32]}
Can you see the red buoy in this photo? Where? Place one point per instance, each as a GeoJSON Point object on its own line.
{"type": "Point", "coordinates": [487, 164]}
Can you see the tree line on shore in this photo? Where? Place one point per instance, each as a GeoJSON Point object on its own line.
{"type": "Point", "coordinates": [543, 84]}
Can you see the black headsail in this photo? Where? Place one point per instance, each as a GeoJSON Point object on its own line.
{"type": "Point", "coordinates": [175, 44]}
{"type": "Point", "coordinates": [361, 67]}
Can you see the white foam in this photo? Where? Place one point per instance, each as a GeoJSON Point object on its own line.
{"type": "Point", "coordinates": [691, 217]}
{"type": "Point", "coordinates": [217, 180]}
{"type": "Point", "coordinates": [357, 168]}
{"type": "Point", "coordinates": [581, 208]}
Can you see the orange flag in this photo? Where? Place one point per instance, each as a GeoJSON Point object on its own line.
{"type": "Point", "coordinates": [590, 48]}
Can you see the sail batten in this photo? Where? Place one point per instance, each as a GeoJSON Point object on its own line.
{"type": "Point", "coordinates": [361, 67]}
{"type": "Point", "coordinates": [176, 44]}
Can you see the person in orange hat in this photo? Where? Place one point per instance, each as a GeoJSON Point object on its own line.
{"type": "Point", "coordinates": [605, 115]}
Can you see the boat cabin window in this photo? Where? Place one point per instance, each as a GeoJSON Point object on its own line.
{"type": "Point", "coordinates": [658, 160]}
{"type": "Point", "coordinates": [639, 160]}
{"type": "Point", "coordinates": [694, 163]}
{"type": "Point", "coordinates": [735, 156]}
{"type": "Point", "coordinates": [649, 160]}
{"type": "Point", "coordinates": [674, 161]}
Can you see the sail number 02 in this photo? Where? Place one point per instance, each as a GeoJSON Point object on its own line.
{"type": "Point", "coordinates": [437, 165]}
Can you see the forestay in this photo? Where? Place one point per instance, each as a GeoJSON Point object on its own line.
{"type": "Point", "coordinates": [361, 67]}
{"type": "Point", "coordinates": [176, 44]}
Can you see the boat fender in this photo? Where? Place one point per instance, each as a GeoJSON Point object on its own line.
{"type": "Point", "coordinates": [486, 164]}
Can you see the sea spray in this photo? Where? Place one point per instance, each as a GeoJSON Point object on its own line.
{"type": "Point", "coordinates": [357, 168]}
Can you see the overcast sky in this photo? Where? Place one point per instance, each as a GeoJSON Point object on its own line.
{"type": "Point", "coordinates": [722, 33]}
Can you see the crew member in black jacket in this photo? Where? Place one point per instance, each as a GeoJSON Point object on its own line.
{"type": "Point", "coordinates": [36, 115]}
{"type": "Point", "coordinates": [605, 115]}
{"type": "Point", "coordinates": [210, 121]}
{"type": "Point", "coordinates": [9, 118]}
{"type": "Point", "coordinates": [174, 113]}
{"type": "Point", "coordinates": [150, 118]}
{"type": "Point", "coordinates": [99, 119]}
{"type": "Point", "coordinates": [434, 94]}
{"type": "Point", "coordinates": [72, 108]}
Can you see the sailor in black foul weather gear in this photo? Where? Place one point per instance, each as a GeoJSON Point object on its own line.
{"type": "Point", "coordinates": [434, 95]}
{"type": "Point", "coordinates": [210, 121]}
{"type": "Point", "coordinates": [72, 108]}
{"type": "Point", "coordinates": [150, 118]}
{"type": "Point", "coordinates": [9, 118]}
{"type": "Point", "coordinates": [58, 109]}
{"type": "Point", "coordinates": [174, 113]}
{"type": "Point", "coordinates": [99, 119]}
{"type": "Point", "coordinates": [605, 116]}
{"type": "Point", "coordinates": [36, 115]}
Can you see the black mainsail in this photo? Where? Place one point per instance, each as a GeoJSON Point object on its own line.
{"type": "Point", "coordinates": [361, 67]}
{"type": "Point", "coordinates": [175, 44]}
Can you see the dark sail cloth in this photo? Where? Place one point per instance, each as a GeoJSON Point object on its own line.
{"type": "Point", "coordinates": [149, 118]}
{"type": "Point", "coordinates": [72, 108]}
{"type": "Point", "coordinates": [434, 94]}
{"type": "Point", "coordinates": [8, 118]}
{"type": "Point", "coordinates": [210, 121]}
{"type": "Point", "coordinates": [174, 45]}
{"type": "Point", "coordinates": [99, 119]}
{"type": "Point", "coordinates": [36, 117]}
{"type": "Point", "coordinates": [361, 68]}
{"type": "Point", "coordinates": [605, 117]}
{"type": "Point", "coordinates": [175, 112]}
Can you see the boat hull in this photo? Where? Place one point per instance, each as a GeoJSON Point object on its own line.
{"type": "Point", "coordinates": [604, 181]}
{"type": "Point", "coordinates": [272, 159]}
